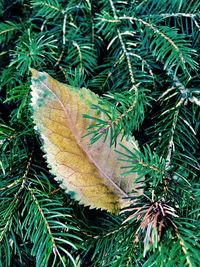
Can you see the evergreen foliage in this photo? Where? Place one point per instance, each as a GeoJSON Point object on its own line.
{"type": "Point", "coordinates": [142, 57]}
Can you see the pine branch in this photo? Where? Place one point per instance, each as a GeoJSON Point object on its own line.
{"type": "Point", "coordinates": [48, 8]}
{"type": "Point", "coordinates": [7, 30]}
{"type": "Point", "coordinates": [141, 58]}
{"type": "Point", "coordinates": [185, 251]}
{"type": "Point", "coordinates": [9, 212]}
{"type": "Point", "coordinates": [176, 46]}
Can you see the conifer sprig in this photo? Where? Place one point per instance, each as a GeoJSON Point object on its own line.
{"type": "Point", "coordinates": [142, 58]}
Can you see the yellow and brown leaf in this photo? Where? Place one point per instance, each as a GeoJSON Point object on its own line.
{"type": "Point", "coordinates": [90, 173]}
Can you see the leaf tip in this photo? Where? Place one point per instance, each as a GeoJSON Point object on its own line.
{"type": "Point", "coordinates": [34, 73]}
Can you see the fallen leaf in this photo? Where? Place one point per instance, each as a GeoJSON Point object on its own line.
{"type": "Point", "coordinates": [91, 174]}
